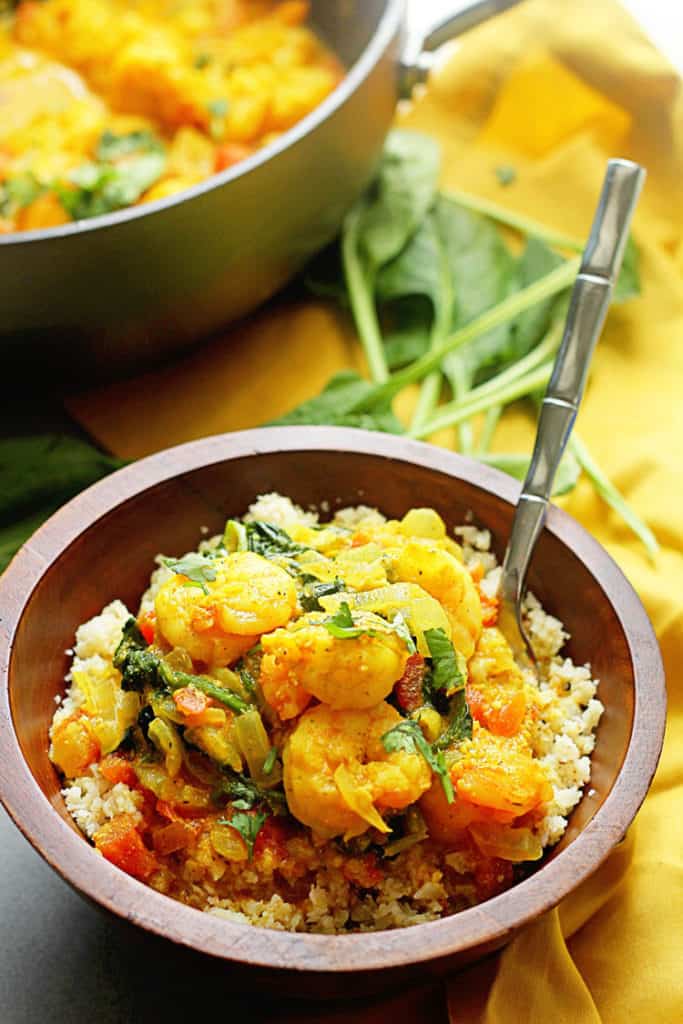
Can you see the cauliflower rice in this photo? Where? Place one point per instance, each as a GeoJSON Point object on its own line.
{"type": "Point", "coordinates": [335, 892]}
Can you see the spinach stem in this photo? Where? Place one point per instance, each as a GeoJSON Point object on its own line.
{"type": "Point", "coordinates": [556, 281]}
{"type": "Point", "coordinates": [614, 498]}
{"type": "Point", "coordinates": [525, 225]}
{"type": "Point", "coordinates": [360, 284]}
{"type": "Point", "coordinates": [493, 414]}
{"type": "Point", "coordinates": [461, 387]}
{"type": "Point", "coordinates": [430, 390]}
{"type": "Point", "coordinates": [483, 398]}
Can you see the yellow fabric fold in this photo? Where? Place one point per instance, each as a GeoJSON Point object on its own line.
{"type": "Point", "coordinates": [544, 89]}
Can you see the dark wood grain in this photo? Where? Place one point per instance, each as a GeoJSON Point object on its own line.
{"type": "Point", "coordinates": [101, 545]}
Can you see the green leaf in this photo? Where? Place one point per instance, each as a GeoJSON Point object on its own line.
{"type": "Point", "coordinates": [47, 468]}
{"type": "Point", "coordinates": [335, 404]}
{"type": "Point", "coordinates": [506, 174]}
{"type": "Point", "coordinates": [460, 723]}
{"type": "Point", "coordinates": [112, 147]}
{"type": "Point", "coordinates": [401, 195]}
{"type": "Point", "coordinates": [218, 108]}
{"type": "Point", "coordinates": [244, 794]}
{"type": "Point", "coordinates": [400, 627]}
{"type": "Point", "coordinates": [313, 591]}
{"type": "Point", "coordinates": [105, 187]}
{"type": "Point", "coordinates": [408, 736]}
{"type": "Point", "coordinates": [198, 569]}
{"type": "Point", "coordinates": [19, 191]}
{"type": "Point", "coordinates": [248, 826]}
{"type": "Point", "coordinates": [138, 666]}
{"type": "Point", "coordinates": [341, 625]}
{"type": "Point", "coordinates": [446, 672]}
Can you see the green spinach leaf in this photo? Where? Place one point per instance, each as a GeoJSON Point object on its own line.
{"type": "Point", "coordinates": [197, 567]}
{"type": "Point", "coordinates": [248, 826]}
{"type": "Point", "coordinates": [408, 735]}
{"type": "Point", "coordinates": [446, 672]}
{"type": "Point", "coordinates": [335, 406]}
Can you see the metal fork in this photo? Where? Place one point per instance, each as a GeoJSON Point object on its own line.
{"type": "Point", "coordinates": [590, 299]}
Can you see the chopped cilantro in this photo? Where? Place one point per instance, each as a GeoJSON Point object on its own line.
{"type": "Point", "coordinates": [408, 735]}
{"type": "Point", "coordinates": [196, 567]}
{"type": "Point", "coordinates": [459, 726]}
{"type": "Point", "coordinates": [218, 108]}
{"type": "Point", "coordinates": [446, 673]}
{"type": "Point", "coordinates": [248, 826]}
{"type": "Point", "coordinates": [506, 174]}
{"type": "Point", "coordinates": [314, 590]}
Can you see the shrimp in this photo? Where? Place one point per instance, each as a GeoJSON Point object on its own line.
{"type": "Point", "coordinates": [249, 596]}
{"type": "Point", "coordinates": [496, 691]}
{"type": "Point", "coordinates": [445, 578]}
{"type": "Point", "coordinates": [496, 780]}
{"type": "Point", "coordinates": [338, 776]}
{"type": "Point", "coordinates": [305, 661]}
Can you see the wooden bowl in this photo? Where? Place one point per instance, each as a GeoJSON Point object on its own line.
{"type": "Point", "coordinates": [101, 546]}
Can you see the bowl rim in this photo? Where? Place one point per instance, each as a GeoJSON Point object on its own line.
{"type": "Point", "coordinates": [387, 26]}
{"type": "Point", "coordinates": [490, 922]}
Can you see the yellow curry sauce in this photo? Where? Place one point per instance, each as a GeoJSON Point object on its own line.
{"type": "Point", "coordinates": [107, 103]}
{"type": "Point", "coordinates": [321, 701]}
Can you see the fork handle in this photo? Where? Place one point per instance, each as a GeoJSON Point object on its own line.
{"type": "Point", "coordinates": [588, 307]}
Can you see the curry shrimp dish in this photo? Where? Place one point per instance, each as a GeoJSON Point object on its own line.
{"type": "Point", "coordinates": [313, 723]}
{"type": "Point", "coordinates": [109, 103]}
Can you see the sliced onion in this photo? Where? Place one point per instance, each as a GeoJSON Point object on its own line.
{"type": "Point", "coordinates": [513, 844]}
{"type": "Point", "coordinates": [252, 740]}
{"type": "Point", "coordinates": [358, 800]}
{"type": "Point", "coordinates": [420, 609]}
{"type": "Point", "coordinates": [164, 736]}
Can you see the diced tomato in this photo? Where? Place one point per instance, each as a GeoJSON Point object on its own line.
{"type": "Point", "coordinates": [120, 843]}
{"type": "Point", "coordinates": [489, 610]}
{"type": "Point", "coordinates": [230, 153]}
{"type": "Point", "coordinates": [364, 871]}
{"type": "Point", "coordinates": [409, 687]}
{"type": "Point", "coordinates": [117, 768]}
{"type": "Point", "coordinates": [147, 624]}
{"type": "Point", "coordinates": [272, 836]}
{"type": "Point", "coordinates": [501, 712]}
{"type": "Point", "coordinates": [191, 704]}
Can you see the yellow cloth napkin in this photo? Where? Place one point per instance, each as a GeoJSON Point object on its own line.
{"type": "Point", "coordinates": [551, 88]}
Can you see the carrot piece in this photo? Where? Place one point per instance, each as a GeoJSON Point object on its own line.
{"type": "Point", "coordinates": [230, 153]}
{"type": "Point", "coordinates": [121, 844]}
{"type": "Point", "coordinates": [74, 747]}
{"type": "Point", "coordinates": [116, 768]}
{"type": "Point", "coordinates": [147, 625]}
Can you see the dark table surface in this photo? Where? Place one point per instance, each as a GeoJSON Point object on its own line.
{"type": "Point", "coordinates": [63, 961]}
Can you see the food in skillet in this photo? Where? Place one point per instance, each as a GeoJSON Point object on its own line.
{"type": "Point", "coordinates": [318, 727]}
{"type": "Point", "coordinates": [108, 103]}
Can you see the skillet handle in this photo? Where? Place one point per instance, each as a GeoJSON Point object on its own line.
{"type": "Point", "coordinates": [418, 58]}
